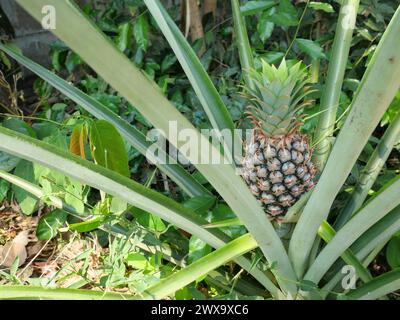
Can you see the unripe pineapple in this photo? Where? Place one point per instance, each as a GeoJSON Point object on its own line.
{"type": "Point", "coordinates": [277, 165]}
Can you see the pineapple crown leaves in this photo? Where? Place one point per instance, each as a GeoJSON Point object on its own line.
{"type": "Point", "coordinates": [277, 98]}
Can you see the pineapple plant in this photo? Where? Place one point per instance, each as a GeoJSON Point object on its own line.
{"type": "Point", "coordinates": [276, 153]}
{"type": "Point", "coordinates": [277, 164]}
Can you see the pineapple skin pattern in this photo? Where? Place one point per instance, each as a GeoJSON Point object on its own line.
{"type": "Point", "coordinates": [278, 172]}
{"type": "Point", "coordinates": [277, 164]}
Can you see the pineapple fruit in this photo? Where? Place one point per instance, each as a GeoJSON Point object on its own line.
{"type": "Point", "coordinates": [277, 164]}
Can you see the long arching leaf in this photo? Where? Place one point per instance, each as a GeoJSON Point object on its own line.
{"type": "Point", "coordinates": [33, 293]}
{"type": "Point", "coordinates": [124, 188]}
{"type": "Point", "coordinates": [370, 172]}
{"type": "Point", "coordinates": [200, 267]}
{"type": "Point", "coordinates": [333, 86]}
{"type": "Point", "coordinates": [243, 43]}
{"type": "Point", "coordinates": [93, 47]}
{"type": "Point", "coordinates": [130, 133]}
{"type": "Point", "coordinates": [380, 286]}
{"type": "Point", "coordinates": [371, 101]}
{"type": "Point", "coordinates": [116, 230]}
{"type": "Point", "coordinates": [203, 86]}
{"type": "Point", "coordinates": [379, 233]}
{"type": "Point", "coordinates": [374, 210]}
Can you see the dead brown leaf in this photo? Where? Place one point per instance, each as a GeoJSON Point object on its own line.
{"type": "Point", "coordinates": [13, 249]}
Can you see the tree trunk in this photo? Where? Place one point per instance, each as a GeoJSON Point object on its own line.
{"type": "Point", "coordinates": [210, 6]}
{"type": "Point", "coordinates": [185, 24]}
{"type": "Point", "coordinates": [196, 26]}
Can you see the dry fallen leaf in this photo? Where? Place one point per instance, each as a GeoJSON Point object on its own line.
{"type": "Point", "coordinates": [47, 269]}
{"type": "Point", "coordinates": [13, 249]}
{"type": "Point", "coordinates": [34, 248]}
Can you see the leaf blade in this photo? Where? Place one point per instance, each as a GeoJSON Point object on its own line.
{"type": "Point", "coordinates": [117, 185]}
{"type": "Point", "coordinates": [131, 134]}
{"type": "Point", "coordinates": [369, 105]}
{"type": "Point", "coordinates": [108, 148]}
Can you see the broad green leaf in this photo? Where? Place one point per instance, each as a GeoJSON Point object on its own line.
{"type": "Point", "coordinates": [286, 16]}
{"type": "Point", "coordinates": [44, 129]}
{"type": "Point", "coordinates": [57, 139]}
{"type": "Point", "coordinates": [57, 112]}
{"type": "Point", "coordinates": [4, 187]}
{"type": "Point", "coordinates": [393, 253]}
{"type": "Point", "coordinates": [286, 6]}
{"type": "Point", "coordinates": [183, 294]}
{"type": "Point", "coordinates": [108, 148]}
{"type": "Point", "coordinates": [168, 62]}
{"type": "Point", "coordinates": [8, 162]}
{"type": "Point", "coordinates": [148, 220]}
{"type": "Point", "coordinates": [326, 7]}
{"type": "Point", "coordinates": [390, 115]}
{"type": "Point", "coordinates": [72, 61]}
{"type": "Point", "coordinates": [265, 26]}
{"type": "Point", "coordinates": [55, 60]}
{"type": "Point", "coordinates": [223, 214]}
{"type": "Point", "coordinates": [307, 286]}
{"type": "Point", "coordinates": [86, 226]}
{"type": "Point", "coordinates": [137, 261]}
{"type": "Point", "coordinates": [49, 224]}
{"type": "Point", "coordinates": [118, 205]}
{"type": "Point", "coordinates": [283, 20]}
{"type": "Point", "coordinates": [151, 68]}
{"type": "Point", "coordinates": [51, 180]}
{"type": "Point", "coordinates": [74, 194]}
{"type": "Point", "coordinates": [124, 36]}
{"type": "Point", "coordinates": [311, 48]}
{"type": "Point", "coordinates": [197, 249]}
{"type": "Point", "coordinates": [19, 126]}
{"type": "Point", "coordinates": [254, 7]}
{"type": "Point", "coordinates": [110, 101]}
{"type": "Point", "coordinates": [271, 57]}
{"type": "Point", "coordinates": [141, 31]}
{"type": "Point", "coordinates": [26, 202]}
{"type": "Point", "coordinates": [200, 204]}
